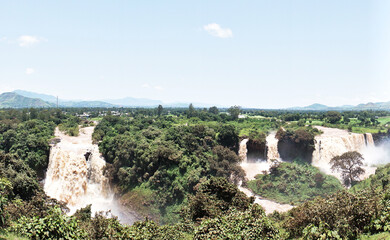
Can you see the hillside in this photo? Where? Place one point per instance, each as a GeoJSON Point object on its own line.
{"type": "Point", "coordinates": [62, 102]}
{"type": "Point", "coordinates": [359, 107]}
{"type": "Point", "coordinates": [13, 100]}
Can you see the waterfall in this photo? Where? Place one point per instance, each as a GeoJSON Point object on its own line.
{"type": "Point", "coordinates": [253, 168]}
{"type": "Point", "coordinates": [334, 142]}
{"type": "Point", "coordinates": [272, 147]}
{"type": "Point", "coordinates": [369, 139]}
{"type": "Point", "coordinates": [75, 175]}
{"type": "Point", "coordinates": [242, 151]}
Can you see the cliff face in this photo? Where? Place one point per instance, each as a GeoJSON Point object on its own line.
{"type": "Point", "coordinates": [257, 149]}
{"type": "Point", "coordinates": [380, 137]}
{"type": "Point", "coordinates": [298, 144]}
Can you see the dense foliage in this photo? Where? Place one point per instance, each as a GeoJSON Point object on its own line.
{"type": "Point", "coordinates": [345, 213]}
{"type": "Point", "coordinates": [165, 157]}
{"type": "Point", "coordinates": [294, 183]}
{"type": "Point", "coordinates": [181, 165]}
{"type": "Point", "coordinates": [379, 181]}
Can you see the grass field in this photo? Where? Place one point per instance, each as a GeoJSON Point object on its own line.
{"type": "Point", "coordinates": [384, 120]}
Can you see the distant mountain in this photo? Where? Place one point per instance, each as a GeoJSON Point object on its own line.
{"type": "Point", "coordinates": [14, 100]}
{"type": "Point", "coordinates": [360, 107]}
{"type": "Point", "coordinates": [87, 104]}
{"type": "Point", "coordinates": [44, 97]}
{"type": "Point", "coordinates": [62, 102]}
{"type": "Point", "coordinates": [122, 102]}
{"type": "Point", "coordinates": [313, 107]}
{"type": "Point", "coordinates": [134, 102]}
{"type": "Point", "coordinates": [374, 106]}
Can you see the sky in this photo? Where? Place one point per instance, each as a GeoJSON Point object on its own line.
{"type": "Point", "coordinates": [262, 54]}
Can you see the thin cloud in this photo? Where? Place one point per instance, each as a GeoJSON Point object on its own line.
{"type": "Point", "coordinates": [155, 87]}
{"type": "Point", "coordinates": [216, 30]}
{"type": "Point", "coordinates": [30, 71]}
{"type": "Point", "coordinates": [159, 88]}
{"type": "Point", "coordinates": [28, 41]}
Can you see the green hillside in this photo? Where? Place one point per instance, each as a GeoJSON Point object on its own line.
{"type": "Point", "coordinates": [13, 100]}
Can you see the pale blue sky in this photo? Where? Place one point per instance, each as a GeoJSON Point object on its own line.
{"type": "Point", "coordinates": [264, 54]}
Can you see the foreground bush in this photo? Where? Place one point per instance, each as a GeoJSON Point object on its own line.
{"type": "Point", "coordinates": [347, 214]}
{"type": "Point", "coordinates": [53, 226]}
{"type": "Point", "coordinates": [251, 224]}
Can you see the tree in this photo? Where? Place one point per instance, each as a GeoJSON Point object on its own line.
{"type": "Point", "coordinates": [159, 110]}
{"type": "Point", "coordinates": [214, 110]}
{"type": "Point", "coordinates": [234, 111]}
{"type": "Point", "coordinates": [191, 111]}
{"type": "Point", "coordinates": [349, 164]}
{"type": "Point", "coordinates": [333, 116]}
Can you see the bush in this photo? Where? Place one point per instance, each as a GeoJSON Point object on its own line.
{"type": "Point", "coordinates": [250, 224]}
{"type": "Point", "coordinates": [53, 226]}
{"type": "Point", "coordinates": [294, 183]}
{"type": "Point", "coordinates": [345, 213]}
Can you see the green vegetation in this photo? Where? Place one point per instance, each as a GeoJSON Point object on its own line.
{"type": "Point", "coordinates": [378, 181]}
{"type": "Point", "coordinates": [296, 144]}
{"type": "Point", "coordinates": [345, 214]}
{"type": "Point", "coordinates": [349, 164]}
{"type": "Point", "coordinates": [28, 140]}
{"type": "Point", "coordinates": [167, 159]}
{"type": "Point", "coordinates": [70, 126]}
{"type": "Point", "coordinates": [13, 100]}
{"type": "Point", "coordinates": [294, 183]}
{"type": "Point", "coordinates": [180, 167]}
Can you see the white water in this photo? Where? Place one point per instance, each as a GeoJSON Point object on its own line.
{"type": "Point", "coordinates": [334, 142]}
{"type": "Point", "coordinates": [268, 205]}
{"type": "Point", "coordinates": [377, 155]}
{"type": "Point", "coordinates": [77, 182]}
{"type": "Point", "coordinates": [254, 168]}
{"type": "Point", "coordinates": [272, 144]}
{"type": "Point", "coordinates": [251, 168]}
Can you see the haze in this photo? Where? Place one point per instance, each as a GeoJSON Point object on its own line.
{"type": "Point", "coordinates": [263, 54]}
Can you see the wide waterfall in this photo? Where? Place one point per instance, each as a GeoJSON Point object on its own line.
{"type": "Point", "coordinates": [334, 142]}
{"type": "Point", "coordinates": [75, 175]}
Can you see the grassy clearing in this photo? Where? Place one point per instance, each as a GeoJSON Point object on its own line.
{"type": "Point", "coordinates": [384, 120]}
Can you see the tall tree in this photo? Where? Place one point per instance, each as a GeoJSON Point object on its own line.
{"type": "Point", "coordinates": [349, 164]}
{"type": "Point", "coordinates": [234, 112]}
{"type": "Point", "coordinates": [159, 110]}
{"type": "Point", "coordinates": [191, 111]}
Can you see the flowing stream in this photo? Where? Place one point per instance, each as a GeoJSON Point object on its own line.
{"type": "Point", "coordinates": [258, 167]}
{"type": "Point", "coordinates": [75, 176]}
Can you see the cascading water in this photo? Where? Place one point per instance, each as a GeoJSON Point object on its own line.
{"type": "Point", "coordinates": [272, 147]}
{"type": "Point", "coordinates": [242, 151]}
{"type": "Point", "coordinates": [251, 168]}
{"type": "Point", "coordinates": [75, 176]}
{"type": "Point", "coordinates": [258, 167]}
{"type": "Point", "coordinates": [369, 139]}
{"type": "Point", "coordinates": [334, 142]}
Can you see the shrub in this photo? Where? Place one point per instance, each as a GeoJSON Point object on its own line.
{"type": "Point", "coordinates": [53, 226]}
{"type": "Point", "coordinates": [250, 224]}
